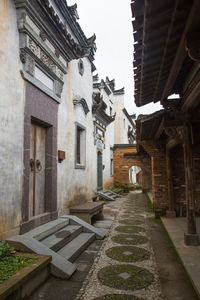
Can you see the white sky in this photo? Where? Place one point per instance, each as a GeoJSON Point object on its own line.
{"type": "Point", "coordinates": [110, 20]}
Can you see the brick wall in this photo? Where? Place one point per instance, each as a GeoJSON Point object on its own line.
{"type": "Point", "coordinates": [178, 176]}
{"type": "Point", "coordinates": [124, 159]}
{"type": "Point", "coordinates": [159, 176]}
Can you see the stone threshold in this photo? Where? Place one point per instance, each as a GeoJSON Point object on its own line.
{"type": "Point", "coordinates": [189, 255]}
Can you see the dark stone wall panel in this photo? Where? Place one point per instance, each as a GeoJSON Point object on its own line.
{"type": "Point", "coordinates": [43, 110]}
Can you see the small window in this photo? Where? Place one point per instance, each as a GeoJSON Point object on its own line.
{"type": "Point", "coordinates": [80, 150]}
{"type": "Point", "coordinates": [81, 67]}
{"type": "Point", "coordinates": [111, 111]}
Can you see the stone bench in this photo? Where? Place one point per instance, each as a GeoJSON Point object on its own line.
{"type": "Point", "coordinates": [88, 210]}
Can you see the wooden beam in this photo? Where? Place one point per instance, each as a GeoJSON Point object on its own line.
{"type": "Point", "coordinates": [160, 129]}
{"type": "Point", "coordinates": [143, 39]}
{"type": "Point", "coordinates": [166, 46]}
{"type": "Point", "coordinates": [193, 98]}
{"type": "Point", "coordinates": [180, 53]}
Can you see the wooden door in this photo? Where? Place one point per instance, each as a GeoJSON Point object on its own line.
{"type": "Point", "coordinates": [37, 171]}
{"type": "Point", "coordinates": [99, 171]}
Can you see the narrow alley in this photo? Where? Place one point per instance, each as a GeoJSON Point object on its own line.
{"type": "Point", "coordinates": [136, 261]}
{"type": "Point", "coordinates": [99, 150]}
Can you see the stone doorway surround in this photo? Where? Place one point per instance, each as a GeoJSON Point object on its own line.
{"type": "Point", "coordinates": [42, 109]}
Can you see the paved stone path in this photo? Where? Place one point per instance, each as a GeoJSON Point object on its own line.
{"type": "Point", "coordinates": [125, 266]}
{"type": "Point", "coordinates": [135, 262]}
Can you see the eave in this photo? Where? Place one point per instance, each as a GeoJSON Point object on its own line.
{"type": "Point", "coordinates": [160, 29]}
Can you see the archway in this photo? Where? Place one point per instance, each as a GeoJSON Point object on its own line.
{"type": "Point", "coordinates": [134, 174]}
{"type": "Point", "coordinates": [126, 156]}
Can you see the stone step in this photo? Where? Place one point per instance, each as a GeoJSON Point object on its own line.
{"type": "Point", "coordinates": [47, 229]}
{"type": "Point", "coordinates": [60, 238]}
{"type": "Point", "coordinates": [105, 196]}
{"type": "Point", "coordinates": [111, 192]}
{"type": "Point", "coordinates": [100, 233]}
{"type": "Point", "coordinates": [73, 249]}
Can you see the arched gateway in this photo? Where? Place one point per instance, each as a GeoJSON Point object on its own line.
{"type": "Point", "coordinates": [125, 156]}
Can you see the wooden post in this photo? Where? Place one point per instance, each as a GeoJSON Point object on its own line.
{"type": "Point", "coordinates": [191, 237]}
{"type": "Point", "coordinates": [171, 212]}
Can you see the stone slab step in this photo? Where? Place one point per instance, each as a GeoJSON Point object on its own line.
{"type": "Point", "coordinates": [47, 229]}
{"type": "Point", "coordinates": [112, 193]}
{"type": "Point", "coordinates": [100, 233]}
{"type": "Point", "coordinates": [73, 249]}
{"type": "Point", "coordinates": [60, 238]}
{"type": "Point", "coordinates": [106, 196]}
{"type": "Point", "coordinates": [60, 266]}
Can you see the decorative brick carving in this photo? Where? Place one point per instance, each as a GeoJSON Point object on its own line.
{"type": "Point", "coordinates": [47, 61]}
{"type": "Point", "coordinates": [22, 55]}
{"type": "Point", "coordinates": [33, 47]}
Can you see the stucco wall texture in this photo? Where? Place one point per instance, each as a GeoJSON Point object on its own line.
{"type": "Point", "coordinates": [73, 185]}
{"type": "Point", "coordinates": [11, 120]}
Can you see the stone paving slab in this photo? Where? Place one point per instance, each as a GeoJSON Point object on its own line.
{"type": "Point", "coordinates": [93, 288]}
{"type": "Point", "coordinates": [189, 255]}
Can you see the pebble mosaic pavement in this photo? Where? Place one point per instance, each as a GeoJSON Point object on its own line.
{"type": "Point", "coordinates": [132, 207]}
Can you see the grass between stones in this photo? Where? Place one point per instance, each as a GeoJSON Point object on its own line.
{"type": "Point", "coordinates": [131, 222]}
{"type": "Point", "coordinates": [136, 277]}
{"type": "Point", "coordinates": [132, 239]}
{"type": "Point", "coordinates": [129, 229]}
{"type": "Point", "coordinates": [118, 297]}
{"type": "Point", "coordinates": [128, 253]}
{"type": "Point", "coordinates": [9, 265]}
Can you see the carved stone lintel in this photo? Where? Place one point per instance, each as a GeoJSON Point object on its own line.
{"type": "Point", "coordinates": [47, 61]}
{"type": "Point", "coordinates": [33, 47]}
{"type": "Point", "coordinates": [23, 55]}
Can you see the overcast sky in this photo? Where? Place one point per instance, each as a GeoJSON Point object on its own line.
{"type": "Point", "coordinates": [110, 20]}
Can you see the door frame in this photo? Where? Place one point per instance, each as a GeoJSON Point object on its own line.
{"type": "Point", "coordinates": [42, 110]}
{"type": "Point", "coordinates": [101, 153]}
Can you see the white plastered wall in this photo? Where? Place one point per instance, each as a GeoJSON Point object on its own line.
{"type": "Point", "coordinates": [76, 185]}
{"type": "Point", "coordinates": [11, 122]}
